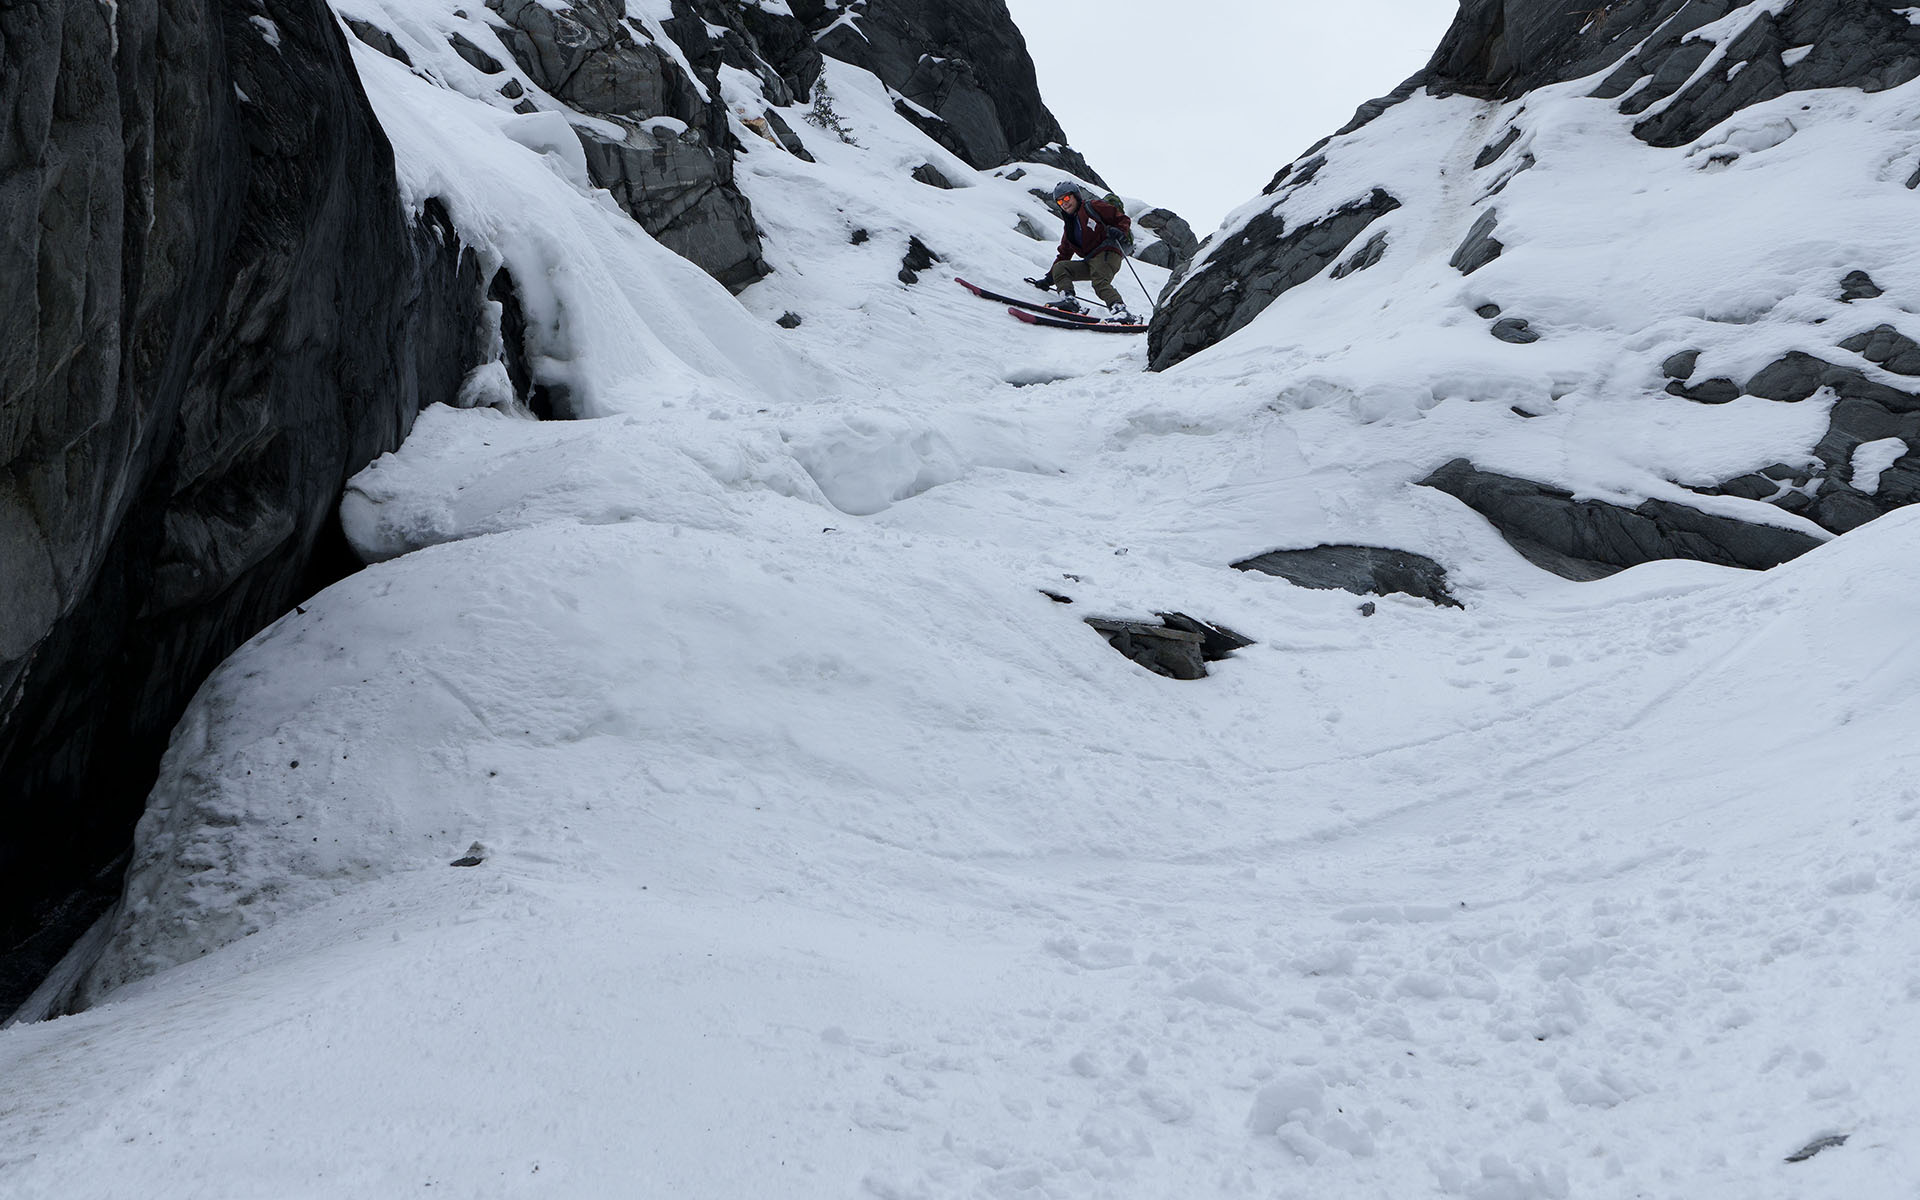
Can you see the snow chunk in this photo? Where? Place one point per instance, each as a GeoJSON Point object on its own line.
{"type": "Point", "coordinates": [1871, 460]}
{"type": "Point", "coordinates": [1295, 1097]}
{"type": "Point", "coordinates": [551, 135]}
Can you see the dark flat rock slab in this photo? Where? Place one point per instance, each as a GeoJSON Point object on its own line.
{"type": "Point", "coordinates": [1362, 570]}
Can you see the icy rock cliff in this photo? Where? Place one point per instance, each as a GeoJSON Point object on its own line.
{"type": "Point", "coordinates": [219, 311]}
{"type": "Point", "coordinates": [1771, 132]}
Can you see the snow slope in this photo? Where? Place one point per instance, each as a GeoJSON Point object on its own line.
{"type": "Point", "coordinates": [824, 856]}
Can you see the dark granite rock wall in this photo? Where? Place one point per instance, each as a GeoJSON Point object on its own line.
{"type": "Point", "coordinates": [1174, 245]}
{"type": "Point", "coordinates": [1275, 260]}
{"type": "Point", "coordinates": [222, 311]}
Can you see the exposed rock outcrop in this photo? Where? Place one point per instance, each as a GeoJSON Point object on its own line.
{"type": "Point", "coordinates": [1502, 49]}
{"type": "Point", "coordinates": [1213, 304]}
{"type": "Point", "coordinates": [672, 168]}
{"type": "Point", "coordinates": [1362, 570]}
{"type": "Point", "coordinates": [959, 69]}
{"type": "Point", "coordinates": [1590, 539]}
{"type": "Point", "coordinates": [1180, 647]}
{"type": "Point", "coordinates": [232, 314]}
{"type": "Point", "coordinates": [1823, 488]}
{"type": "Point", "coordinates": [1174, 244]}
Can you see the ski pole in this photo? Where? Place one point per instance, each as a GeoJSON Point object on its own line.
{"type": "Point", "coordinates": [1143, 286]}
{"type": "Point", "coordinates": [1047, 287]}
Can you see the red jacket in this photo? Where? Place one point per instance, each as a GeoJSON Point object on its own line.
{"type": "Point", "coordinates": [1093, 227]}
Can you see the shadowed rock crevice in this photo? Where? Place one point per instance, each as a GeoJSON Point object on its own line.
{"type": "Point", "coordinates": [1180, 647]}
{"type": "Point", "coordinates": [1591, 539]}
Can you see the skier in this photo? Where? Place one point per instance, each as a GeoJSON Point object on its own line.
{"type": "Point", "coordinates": [1097, 232]}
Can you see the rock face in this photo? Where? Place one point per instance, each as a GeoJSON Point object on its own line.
{"type": "Point", "coordinates": [1826, 490]}
{"type": "Point", "coordinates": [1180, 647]}
{"type": "Point", "coordinates": [1590, 539]}
{"type": "Point", "coordinates": [672, 166]}
{"type": "Point", "coordinates": [1174, 244]}
{"type": "Point", "coordinates": [1215, 303]}
{"type": "Point", "coordinates": [231, 314]}
{"type": "Point", "coordinates": [959, 69]}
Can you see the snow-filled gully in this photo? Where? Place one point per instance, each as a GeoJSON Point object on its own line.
{"type": "Point", "coordinates": [824, 855]}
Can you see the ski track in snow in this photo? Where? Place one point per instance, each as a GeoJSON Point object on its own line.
{"type": "Point", "coordinates": [825, 857]}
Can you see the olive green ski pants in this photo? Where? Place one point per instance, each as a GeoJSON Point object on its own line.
{"type": "Point", "coordinates": [1100, 269]}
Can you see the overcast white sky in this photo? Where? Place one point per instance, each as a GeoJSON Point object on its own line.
{"type": "Point", "coordinates": [1195, 106]}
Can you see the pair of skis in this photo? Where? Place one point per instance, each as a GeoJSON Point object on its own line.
{"type": "Point", "coordinates": [1052, 318]}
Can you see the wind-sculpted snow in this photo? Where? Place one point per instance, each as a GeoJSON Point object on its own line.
{"type": "Point", "coordinates": [607, 309]}
{"type": "Point", "coordinates": [1562, 886]}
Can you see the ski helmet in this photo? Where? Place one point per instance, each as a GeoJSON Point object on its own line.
{"type": "Point", "coordinates": [1063, 189]}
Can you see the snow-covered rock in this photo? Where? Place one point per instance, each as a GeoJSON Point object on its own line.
{"type": "Point", "coordinates": [1644, 205]}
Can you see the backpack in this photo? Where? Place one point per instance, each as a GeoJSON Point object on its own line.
{"type": "Point", "coordinates": [1125, 226]}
